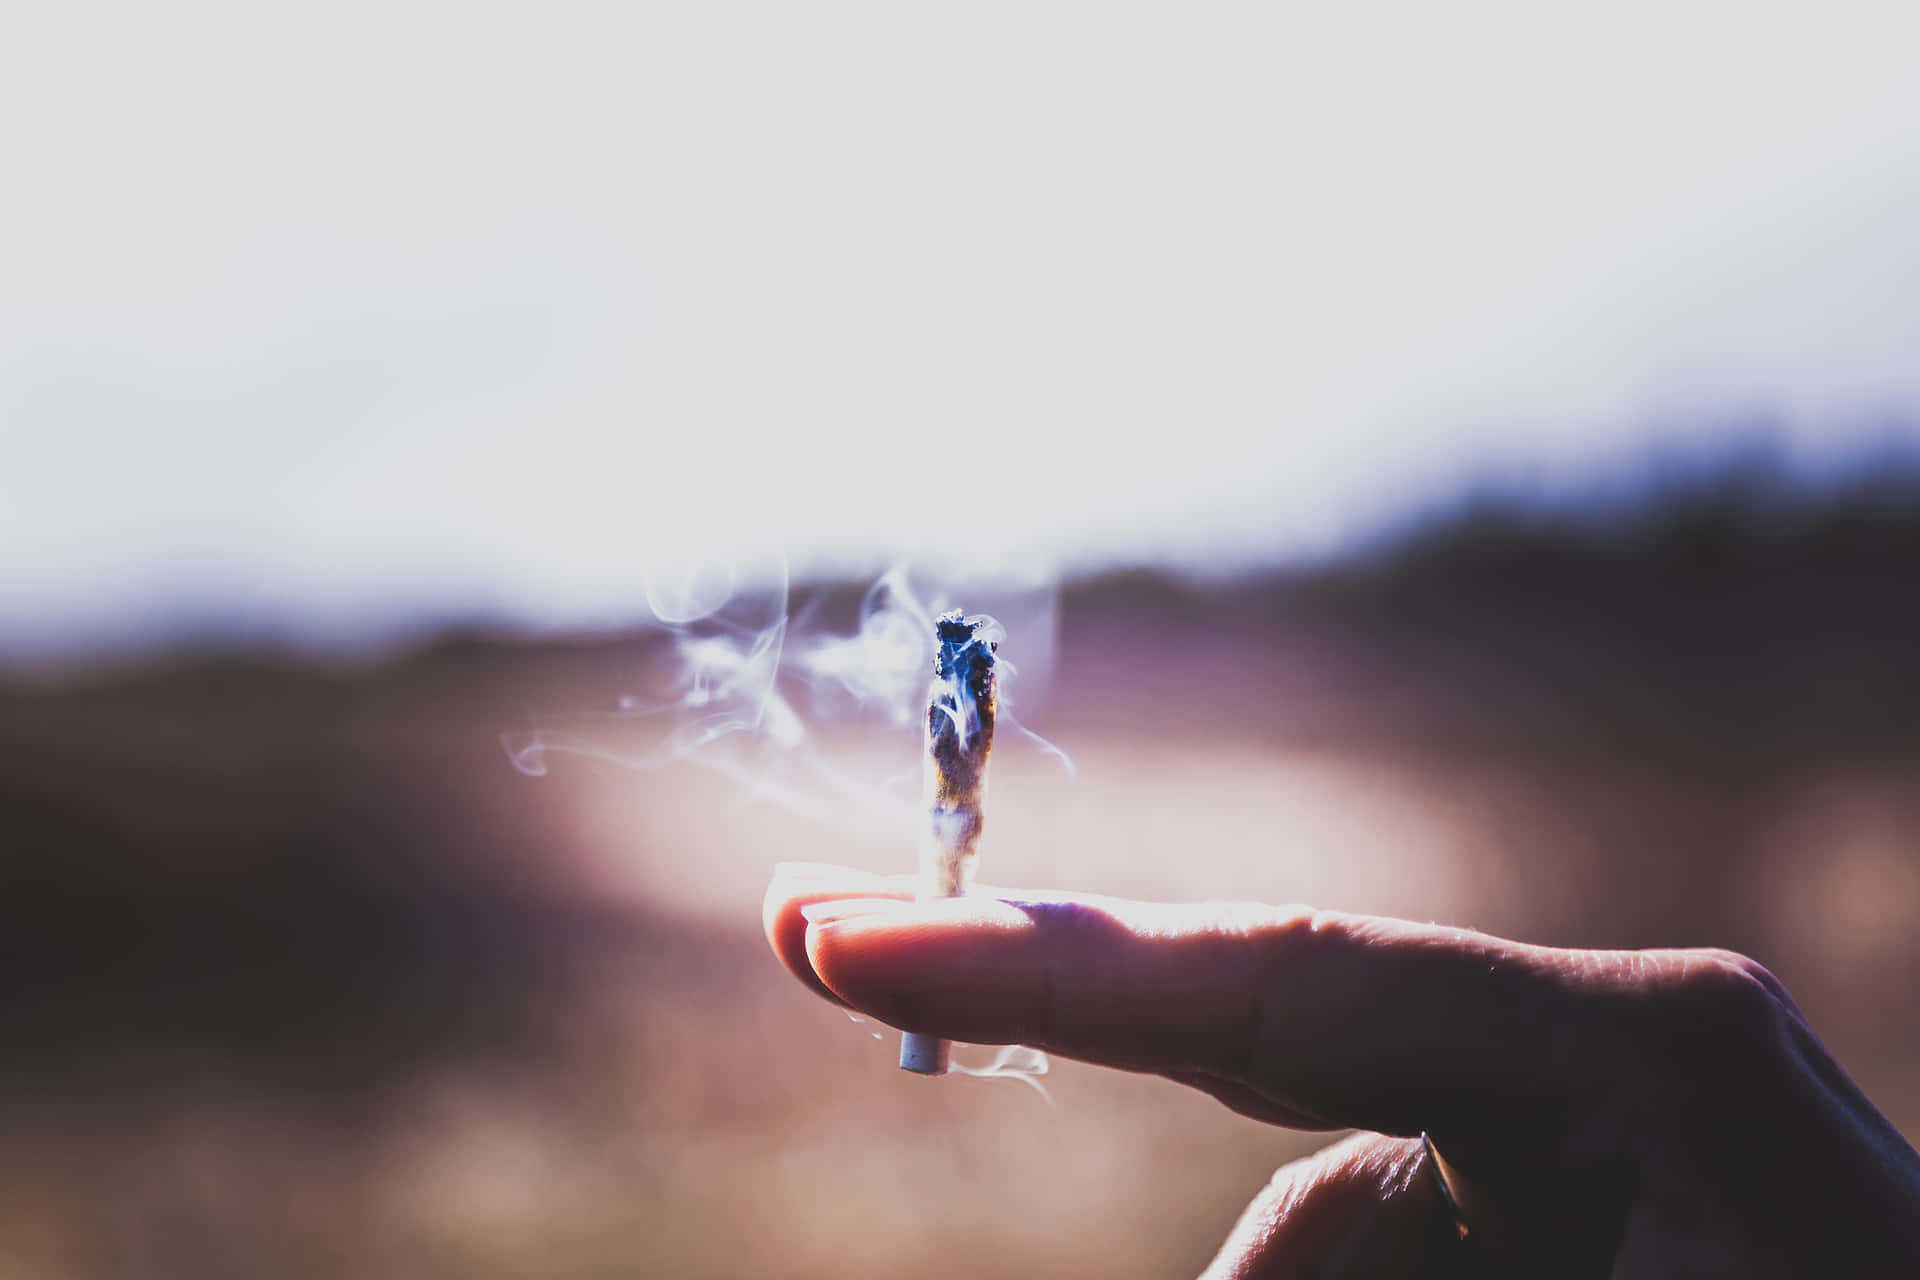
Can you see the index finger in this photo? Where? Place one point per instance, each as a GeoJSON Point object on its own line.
{"type": "Point", "coordinates": [1363, 1021]}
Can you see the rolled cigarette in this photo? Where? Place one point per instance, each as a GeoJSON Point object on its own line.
{"type": "Point", "coordinates": [961, 703]}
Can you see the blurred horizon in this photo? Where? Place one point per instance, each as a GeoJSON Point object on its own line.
{"type": "Point", "coordinates": [1749, 479]}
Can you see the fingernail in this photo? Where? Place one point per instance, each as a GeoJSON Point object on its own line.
{"type": "Point", "coordinates": [838, 909]}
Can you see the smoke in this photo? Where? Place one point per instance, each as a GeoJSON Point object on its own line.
{"type": "Point", "coordinates": [749, 685]}
{"type": "Point", "coordinates": [1009, 1062]}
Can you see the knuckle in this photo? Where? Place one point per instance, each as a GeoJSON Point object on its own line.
{"type": "Point", "coordinates": [1728, 1004]}
{"type": "Point", "coordinates": [1743, 971]}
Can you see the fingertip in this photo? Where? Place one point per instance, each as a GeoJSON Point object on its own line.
{"type": "Point", "coordinates": [935, 967]}
{"type": "Point", "coordinates": [848, 957]}
{"type": "Point", "coordinates": [798, 886]}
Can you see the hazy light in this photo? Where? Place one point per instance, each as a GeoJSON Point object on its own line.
{"type": "Point", "coordinates": [367, 314]}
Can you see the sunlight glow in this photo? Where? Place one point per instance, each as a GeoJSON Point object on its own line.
{"type": "Point", "coordinates": [337, 319]}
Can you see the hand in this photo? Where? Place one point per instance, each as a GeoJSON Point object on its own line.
{"type": "Point", "coordinates": [1602, 1113]}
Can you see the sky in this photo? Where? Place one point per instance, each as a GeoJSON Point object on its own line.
{"type": "Point", "coordinates": [344, 320]}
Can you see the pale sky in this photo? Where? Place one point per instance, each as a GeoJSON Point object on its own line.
{"type": "Point", "coordinates": [343, 318]}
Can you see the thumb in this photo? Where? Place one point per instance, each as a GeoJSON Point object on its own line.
{"type": "Point", "coordinates": [1365, 1206]}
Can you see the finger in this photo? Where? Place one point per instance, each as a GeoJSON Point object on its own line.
{"type": "Point", "coordinates": [800, 889]}
{"type": "Point", "coordinates": [797, 886]}
{"type": "Point", "coordinates": [1357, 1021]}
{"type": "Point", "coordinates": [1367, 1206]}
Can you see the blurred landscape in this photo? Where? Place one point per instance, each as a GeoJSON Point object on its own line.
{"type": "Point", "coordinates": [301, 978]}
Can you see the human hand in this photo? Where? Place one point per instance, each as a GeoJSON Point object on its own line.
{"type": "Point", "coordinates": [1592, 1113]}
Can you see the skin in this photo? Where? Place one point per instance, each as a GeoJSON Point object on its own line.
{"type": "Point", "coordinates": [1593, 1113]}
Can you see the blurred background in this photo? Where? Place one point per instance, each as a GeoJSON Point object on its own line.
{"type": "Point", "coordinates": [1458, 464]}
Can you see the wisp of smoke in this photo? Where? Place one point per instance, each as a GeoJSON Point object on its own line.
{"type": "Point", "coordinates": [741, 665]}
